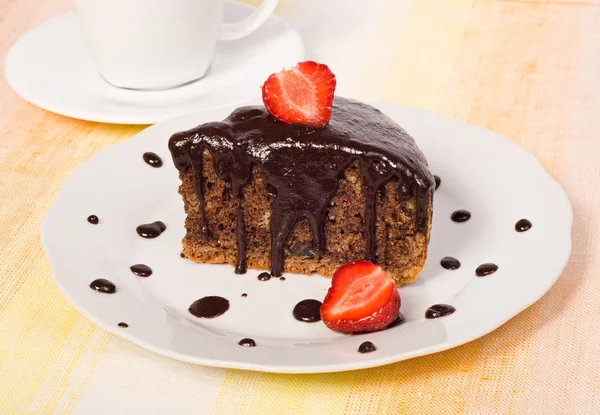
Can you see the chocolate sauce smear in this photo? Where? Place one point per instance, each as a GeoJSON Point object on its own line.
{"type": "Point", "coordinates": [93, 219]}
{"type": "Point", "coordinates": [103, 286]}
{"type": "Point", "coordinates": [141, 270]}
{"type": "Point", "coordinates": [450, 263]}
{"type": "Point", "coordinates": [460, 215]}
{"type": "Point", "coordinates": [247, 343]}
{"type": "Point", "coordinates": [439, 310]}
{"type": "Point", "coordinates": [523, 225]}
{"type": "Point", "coordinates": [307, 311]}
{"type": "Point", "coordinates": [152, 159]}
{"type": "Point", "coordinates": [124, 325]}
{"type": "Point", "coordinates": [366, 347]}
{"type": "Point", "coordinates": [486, 269]}
{"type": "Point", "coordinates": [438, 181]}
{"type": "Point", "coordinates": [264, 276]}
{"type": "Point", "coordinates": [400, 319]}
{"type": "Point", "coordinates": [304, 164]}
{"type": "Point", "coordinates": [209, 307]}
{"type": "Point", "coordinates": [151, 230]}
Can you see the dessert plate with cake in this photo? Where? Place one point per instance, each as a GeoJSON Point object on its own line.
{"type": "Point", "coordinates": [307, 233]}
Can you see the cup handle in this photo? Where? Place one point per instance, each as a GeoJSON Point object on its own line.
{"type": "Point", "coordinates": [232, 31]}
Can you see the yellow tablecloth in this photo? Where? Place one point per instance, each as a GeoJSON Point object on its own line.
{"type": "Point", "coordinates": [528, 69]}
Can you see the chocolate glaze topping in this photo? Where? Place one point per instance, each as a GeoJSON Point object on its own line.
{"type": "Point", "coordinates": [152, 159]}
{"type": "Point", "coordinates": [304, 164]}
{"type": "Point", "coordinates": [209, 307]}
{"type": "Point", "coordinates": [523, 225]}
{"type": "Point", "coordinates": [308, 311]}
{"type": "Point", "coordinates": [103, 286]}
{"type": "Point", "coordinates": [141, 270]}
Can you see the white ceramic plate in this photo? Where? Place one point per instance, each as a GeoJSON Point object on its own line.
{"type": "Point", "coordinates": [496, 180]}
{"type": "Point", "coordinates": [50, 68]}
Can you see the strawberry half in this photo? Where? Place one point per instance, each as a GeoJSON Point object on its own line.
{"type": "Point", "coordinates": [362, 298]}
{"type": "Point", "coordinates": [301, 95]}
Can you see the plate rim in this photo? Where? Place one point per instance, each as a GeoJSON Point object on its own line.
{"type": "Point", "coordinates": [336, 367]}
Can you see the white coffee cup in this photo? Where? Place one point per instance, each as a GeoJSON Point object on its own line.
{"type": "Point", "coordinates": [158, 44]}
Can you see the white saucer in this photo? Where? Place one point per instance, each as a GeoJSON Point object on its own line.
{"type": "Point", "coordinates": [50, 68]}
{"type": "Point", "coordinates": [495, 179]}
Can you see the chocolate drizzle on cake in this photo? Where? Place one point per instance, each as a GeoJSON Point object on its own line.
{"type": "Point", "coordinates": [304, 164]}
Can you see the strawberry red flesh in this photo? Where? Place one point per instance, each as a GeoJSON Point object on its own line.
{"type": "Point", "coordinates": [301, 95]}
{"type": "Point", "coordinates": [362, 298]}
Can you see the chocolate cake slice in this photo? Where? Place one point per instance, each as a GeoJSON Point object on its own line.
{"type": "Point", "coordinates": [263, 194]}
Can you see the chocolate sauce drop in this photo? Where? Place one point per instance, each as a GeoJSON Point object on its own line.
{"type": "Point", "coordinates": [247, 342]}
{"type": "Point", "coordinates": [93, 219]}
{"type": "Point", "coordinates": [307, 311]}
{"type": "Point", "coordinates": [141, 270]}
{"type": "Point", "coordinates": [264, 276]}
{"type": "Point", "coordinates": [523, 225]}
{"type": "Point", "coordinates": [367, 347]}
{"type": "Point", "coordinates": [450, 263]}
{"type": "Point", "coordinates": [460, 215]}
{"type": "Point", "coordinates": [209, 307]}
{"type": "Point", "coordinates": [282, 279]}
{"type": "Point", "coordinates": [400, 319]}
{"type": "Point", "coordinates": [439, 310]}
{"type": "Point", "coordinates": [182, 255]}
{"type": "Point", "coordinates": [124, 325]}
{"type": "Point", "coordinates": [438, 181]}
{"type": "Point", "coordinates": [103, 286]}
{"type": "Point", "coordinates": [303, 166]}
{"type": "Point", "coordinates": [152, 159]}
{"type": "Point", "coordinates": [151, 230]}
{"type": "Point", "coordinates": [486, 269]}
{"type": "Point", "coordinates": [244, 295]}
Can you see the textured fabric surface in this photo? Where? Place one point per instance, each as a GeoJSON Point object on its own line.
{"type": "Point", "coordinates": [528, 69]}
